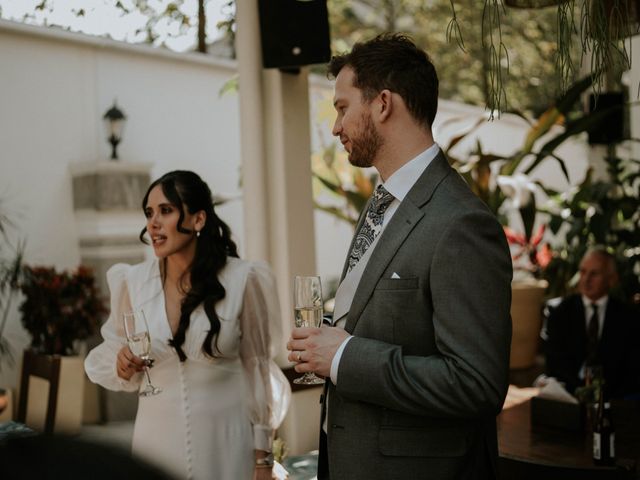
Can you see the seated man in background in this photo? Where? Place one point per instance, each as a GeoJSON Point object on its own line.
{"type": "Point", "coordinates": [592, 329]}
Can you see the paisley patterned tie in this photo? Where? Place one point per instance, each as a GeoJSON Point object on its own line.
{"type": "Point", "coordinates": [371, 226]}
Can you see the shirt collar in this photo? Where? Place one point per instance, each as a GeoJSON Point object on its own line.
{"type": "Point", "coordinates": [601, 302]}
{"type": "Point", "coordinates": [405, 177]}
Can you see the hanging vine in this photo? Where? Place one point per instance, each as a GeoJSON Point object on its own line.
{"type": "Point", "coordinates": [567, 31]}
{"type": "Point", "coordinates": [498, 56]}
{"type": "Point", "coordinates": [604, 26]}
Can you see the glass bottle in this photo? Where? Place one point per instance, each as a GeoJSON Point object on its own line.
{"type": "Point", "coordinates": [604, 437]}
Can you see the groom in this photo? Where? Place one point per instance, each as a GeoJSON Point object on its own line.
{"type": "Point", "coordinates": [417, 361]}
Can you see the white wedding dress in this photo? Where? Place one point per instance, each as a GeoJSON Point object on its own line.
{"type": "Point", "coordinates": [212, 412]}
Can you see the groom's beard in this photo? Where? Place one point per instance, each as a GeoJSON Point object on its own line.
{"type": "Point", "coordinates": [365, 147]}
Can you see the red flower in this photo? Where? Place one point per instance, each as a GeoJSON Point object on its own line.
{"type": "Point", "coordinates": [59, 308]}
{"type": "Point", "coordinates": [538, 254]}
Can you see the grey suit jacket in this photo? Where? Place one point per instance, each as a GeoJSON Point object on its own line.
{"type": "Point", "coordinates": [421, 382]}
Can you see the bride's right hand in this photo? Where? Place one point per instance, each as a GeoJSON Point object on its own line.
{"type": "Point", "coordinates": [127, 364]}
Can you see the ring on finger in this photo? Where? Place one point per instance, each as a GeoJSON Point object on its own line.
{"type": "Point", "coordinates": [299, 357]}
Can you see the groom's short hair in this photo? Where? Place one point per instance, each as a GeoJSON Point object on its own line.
{"type": "Point", "coordinates": [393, 62]}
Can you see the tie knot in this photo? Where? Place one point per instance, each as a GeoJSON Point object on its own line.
{"type": "Point", "coordinates": [594, 308]}
{"type": "Point", "coordinates": [381, 200]}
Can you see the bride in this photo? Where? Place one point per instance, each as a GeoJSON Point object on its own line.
{"type": "Point", "coordinates": [212, 319]}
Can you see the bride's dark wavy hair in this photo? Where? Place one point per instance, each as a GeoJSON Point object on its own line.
{"type": "Point", "coordinates": [186, 190]}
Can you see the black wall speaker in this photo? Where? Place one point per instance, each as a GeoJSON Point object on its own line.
{"type": "Point", "coordinates": [294, 33]}
{"type": "Point", "coordinates": [611, 128]}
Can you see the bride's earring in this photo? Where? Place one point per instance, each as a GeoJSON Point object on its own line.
{"type": "Point", "coordinates": [198, 234]}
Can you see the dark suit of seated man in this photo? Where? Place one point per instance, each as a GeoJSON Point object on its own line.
{"type": "Point", "coordinates": [593, 329]}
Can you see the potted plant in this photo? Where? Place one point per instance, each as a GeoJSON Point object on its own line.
{"type": "Point", "coordinates": [602, 212]}
{"type": "Point", "coordinates": [503, 183]}
{"type": "Point", "coordinates": [530, 256]}
{"type": "Point", "coordinates": [59, 309]}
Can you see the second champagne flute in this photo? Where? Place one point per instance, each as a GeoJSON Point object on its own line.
{"type": "Point", "coordinates": [307, 299]}
{"type": "Point", "coordinates": [139, 340]}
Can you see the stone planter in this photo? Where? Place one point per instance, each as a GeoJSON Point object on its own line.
{"type": "Point", "coordinates": [61, 376]}
{"type": "Point", "coordinates": [526, 317]}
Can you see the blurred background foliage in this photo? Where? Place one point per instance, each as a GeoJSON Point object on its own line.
{"type": "Point", "coordinates": [465, 75]}
{"type": "Point", "coordinates": [603, 212]}
{"type": "Point", "coordinates": [339, 188]}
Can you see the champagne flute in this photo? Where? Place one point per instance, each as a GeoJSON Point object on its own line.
{"type": "Point", "coordinates": [307, 299]}
{"type": "Point", "coordinates": [139, 340]}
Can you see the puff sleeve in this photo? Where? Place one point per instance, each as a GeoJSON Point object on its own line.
{"type": "Point", "coordinates": [100, 364]}
{"type": "Point", "coordinates": [261, 328]}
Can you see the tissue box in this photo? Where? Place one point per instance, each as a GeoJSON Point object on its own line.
{"type": "Point", "coordinates": [552, 413]}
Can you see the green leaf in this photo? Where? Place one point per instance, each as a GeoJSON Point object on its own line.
{"type": "Point", "coordinates": [599, 225]}
{"type": "Point", "coordinates": [566, 102]}
{"type": "Point", "coordinates": [455, 140]}
{"type": "Point", "coordinates": [357, 200]}
{"type": "Point", "coordinates": [334, 187]}
{"type": "Point", "coordinates": [336, 212]}
{"type": "Point", "coordinates": [585, 123]}
{"type": "Point", "coordinates": [528, 214]}
{"type": "Point", "coordinates": [230, 85]}
{"type": "Point", "coordinates": [555, 222]}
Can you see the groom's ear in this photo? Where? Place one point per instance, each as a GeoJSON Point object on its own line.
{"type": "Point", "coordinates": [383, 105]}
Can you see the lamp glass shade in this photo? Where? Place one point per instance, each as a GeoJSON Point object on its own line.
{"type": "Point", "coordinates": [115, 127]}
{"type": "Point", "coordinates": [114, 119]}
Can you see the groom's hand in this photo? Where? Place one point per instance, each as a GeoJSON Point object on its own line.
{"type": "Point", "coordinates": [313, 349]}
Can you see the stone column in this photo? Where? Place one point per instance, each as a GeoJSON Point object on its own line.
{"type": "Point", "coordinates": [107, 200]}
{"type": "Point", "coordinates": [277, 194]}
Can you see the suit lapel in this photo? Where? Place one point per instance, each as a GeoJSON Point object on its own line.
{"type": "Point", "coordinates": [609, 337]}
{"type": "Point", "coordinates": [579, 328]}
{"type": "Point", "coordinates": [404, 220]}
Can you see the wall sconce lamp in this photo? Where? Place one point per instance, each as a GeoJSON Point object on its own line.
{"type": "Point", "coordinates": [114, 121]}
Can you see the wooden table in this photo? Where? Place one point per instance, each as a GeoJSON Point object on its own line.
{"type": "Point", "coordinates": [530, 451]}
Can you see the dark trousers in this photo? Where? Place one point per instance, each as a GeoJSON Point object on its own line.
{"type": "Point", "coordinates": [323, 458]}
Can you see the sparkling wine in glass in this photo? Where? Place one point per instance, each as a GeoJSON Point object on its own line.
{"type": "Point", "coordinates": [307, 299]}
{"type": "Point", "coordinates": [139, 340]}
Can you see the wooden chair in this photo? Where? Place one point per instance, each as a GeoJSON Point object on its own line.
{"type": "Point", "coordinates": [48, 368]}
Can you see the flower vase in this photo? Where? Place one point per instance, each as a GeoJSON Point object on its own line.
{"type": "Point", "coordinates": [526, 317]}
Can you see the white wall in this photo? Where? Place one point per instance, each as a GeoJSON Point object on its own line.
{"type": "Point", "coordinates": [54, 89]}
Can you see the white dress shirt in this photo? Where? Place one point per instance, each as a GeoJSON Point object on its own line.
{"type": "Point", "coordinates": [398, 185]}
